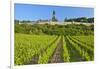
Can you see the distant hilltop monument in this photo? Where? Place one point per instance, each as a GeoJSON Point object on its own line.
{"type": "Point", "coordinates": [52, 21]}
{"type": "Point", "coordinates": [54, 17]}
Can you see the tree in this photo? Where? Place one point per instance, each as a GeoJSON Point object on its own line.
{"type": "Point", "coordinates": [16, 21]}
{"type": "Point", "coordinates": [83, 19]}
{"type": "Point", "coordinates": [90, 20]}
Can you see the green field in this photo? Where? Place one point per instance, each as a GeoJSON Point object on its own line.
{"type": "Point", "coordinates": [43, 49]}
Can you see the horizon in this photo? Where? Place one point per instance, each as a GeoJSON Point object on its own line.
{"type": "Point", "coordinates": [34, 12]}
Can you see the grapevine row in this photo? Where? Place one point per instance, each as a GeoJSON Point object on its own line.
{"type": "Point", "coordinates": [82, 52]}
{"type": "Point", "coordinates": [48, 53]}
{"type": "Point", "coordinates": [66, 55]}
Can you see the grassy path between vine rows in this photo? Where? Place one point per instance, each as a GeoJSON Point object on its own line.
{"type": "Point", "coordinates": [57, 56]}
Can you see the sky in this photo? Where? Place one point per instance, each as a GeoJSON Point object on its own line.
{"type": "Point", "coordinates": [35, 12]}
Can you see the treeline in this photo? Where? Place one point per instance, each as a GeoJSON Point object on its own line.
{"type": "Point", "coordinates": [23, 21]}
{"type": "Point", "coordinates": [81, 19]}
{"type": "Point", "coordinates": [71, 29]}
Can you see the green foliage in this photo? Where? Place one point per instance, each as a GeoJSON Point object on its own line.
{"type": "Point", "coordinates": [91, 20]}
{"type": "Point", "coordinates": [26, 46]}
{"type": "Point", "coordinates": [81, 19]}
{"type": "Point", "coordinates": [48, 53]}
{"type": "Point", "coordinates": [16, 21]}
{"type": "Point", "coordinates": [47, 29]}
{"type": "Point", "coordinates": [41, 40]}
{"type": "Point", "coordinates": [82, 51]}
{"type": "Point", "coordinates": [66, 55]}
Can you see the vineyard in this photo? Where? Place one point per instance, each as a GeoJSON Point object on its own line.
{"type": "Point", "coordinates": [43, 49]}
{"type": "Point", "coordinates": [52, 34]}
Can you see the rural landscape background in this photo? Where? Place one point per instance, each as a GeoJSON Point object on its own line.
{"type": "Point", "coordinates": [53, 34]}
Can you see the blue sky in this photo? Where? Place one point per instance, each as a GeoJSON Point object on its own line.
{"type": "Point", "coordinates": [34, 12]}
